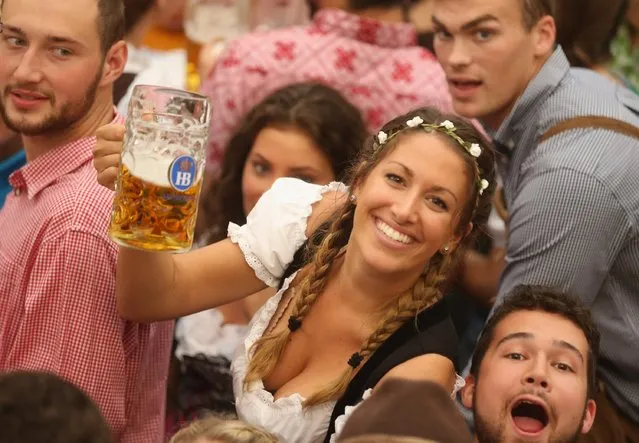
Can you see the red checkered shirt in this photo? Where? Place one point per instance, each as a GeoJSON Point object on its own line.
{"type": "Point", "coordinates": [377, 66]}
{"type": "Point", "coordinates": [57, 294]}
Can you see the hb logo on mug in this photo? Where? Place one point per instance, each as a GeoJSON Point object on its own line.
{"type": "Point", "coordinates": [182, 173]}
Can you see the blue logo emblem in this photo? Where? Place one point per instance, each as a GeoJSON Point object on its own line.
{"type": "Point", "coordinates": [182, 173]}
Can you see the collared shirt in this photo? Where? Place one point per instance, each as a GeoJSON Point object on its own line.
{"type": "Point", "coordinates": [57, 294]}
{"type": "Point", "coordinates": [8, 165]}
{"type": "Point", "coordinates": [573, 202]}
{"type": "Point", "coordinates": [377, 66]}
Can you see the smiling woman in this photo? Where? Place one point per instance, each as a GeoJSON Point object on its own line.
{"type": "Point", "coordinates": [364, 304]}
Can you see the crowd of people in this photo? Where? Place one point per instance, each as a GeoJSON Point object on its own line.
{"type": "Point", "coordinates": [419, 223]}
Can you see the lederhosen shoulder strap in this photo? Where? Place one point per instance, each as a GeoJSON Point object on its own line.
{"type": "Point", "coordinates": [586, 121]}
{"type": "Point", "coordinates": [592, 121]}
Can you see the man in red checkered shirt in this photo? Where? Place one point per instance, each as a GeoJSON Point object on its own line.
{"type": "Point", "coordinates": [59, 60]}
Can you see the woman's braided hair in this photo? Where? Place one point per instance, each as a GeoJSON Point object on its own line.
{"type": "Point", "coordinates": [330, 240]}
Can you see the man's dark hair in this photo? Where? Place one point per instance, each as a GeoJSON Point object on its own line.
{"type": "Point", "coordinates": [542, 299]}
{"type": "Point", "coordinates": [535, 10]}
{"type": "Point", "coordinates": [134, 11]}
{"type": "Point", "coordinates": [37, 407]}
{"type": "Point", "coordinates": [111, 23]}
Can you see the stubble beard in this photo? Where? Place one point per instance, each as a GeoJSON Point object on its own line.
{"type": "Point", "coordinates": [55, 121]}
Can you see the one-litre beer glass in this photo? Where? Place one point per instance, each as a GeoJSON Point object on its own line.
{"type": "Point", "coordinates": [161, 169]}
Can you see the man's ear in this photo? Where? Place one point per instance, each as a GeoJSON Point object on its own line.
{"type": "Point", "coordinates": [545, 36]}
{"type": "Point", "coordinates": [468, 392]}
{"type": "Point", "coordinates": [114, 63]}
{"type": "Point", "coordinates": [589, 416]}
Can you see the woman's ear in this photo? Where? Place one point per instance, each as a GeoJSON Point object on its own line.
{"type": "Point", "coordinates": [457, 239]}
{"type": "Point", "coordinates": [468, 230]}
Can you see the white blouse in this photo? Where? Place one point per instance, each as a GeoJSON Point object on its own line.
{"type": "Point", "coordinates": [269, 248]}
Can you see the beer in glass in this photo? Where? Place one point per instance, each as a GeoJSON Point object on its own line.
{"type": "Point", "coordinates": [161, 169]}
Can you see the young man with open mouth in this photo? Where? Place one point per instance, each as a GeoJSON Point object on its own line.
{"type": "Point", "coordinates": [533, 373]}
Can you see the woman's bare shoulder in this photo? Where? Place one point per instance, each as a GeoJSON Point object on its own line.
{"type": "Point", "coordinates": [323, 209]}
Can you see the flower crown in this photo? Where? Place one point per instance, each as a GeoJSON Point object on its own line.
{"type": "Point", "coordinates": [446, 127]}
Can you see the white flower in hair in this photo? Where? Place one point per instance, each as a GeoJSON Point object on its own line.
{"type": "Point", "coordinates": [414, 122]}
{"type": "Point", "coordinates": [475, 150]}
{"type": "Point", "coordinates": [382, 137]}
{"type": "Point", "coordinates": [447, 124]}
{"type": "Point", "coordinates": [483, 185]}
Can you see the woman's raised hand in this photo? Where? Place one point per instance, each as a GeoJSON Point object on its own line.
{"type": "Point", "coordinates": [106, 154]}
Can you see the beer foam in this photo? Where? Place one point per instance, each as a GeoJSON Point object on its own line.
{"type": "Point", "coordinates": [152, 169]}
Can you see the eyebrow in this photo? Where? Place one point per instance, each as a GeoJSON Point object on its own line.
{"type": "Point", "coordinates": [406, 169]}
{"type": "Point", "coordinates": [565, 345]}
{"type": "Point", "coordinates": [51, 38]}
{"type": "Point", "coordinates": [307, 169]}
{"type": "Point", "coordinates": [469, 25]}
{"type": "Point", "coordinates": [528, 336]}
{"type": "Point", "coordinates": [13, 29]}
{"type": "Point", "coordinates": [411, 174]}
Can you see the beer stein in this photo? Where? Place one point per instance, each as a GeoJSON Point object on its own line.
{"type": "Point", "coordinates": [161, 169]}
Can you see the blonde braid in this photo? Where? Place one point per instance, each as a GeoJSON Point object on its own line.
{"type": "Point", "coordinates": [269, 348]}
{"type": "Point", "coordinates": [426, 292]}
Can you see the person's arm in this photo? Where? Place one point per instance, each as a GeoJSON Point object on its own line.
{"type": "Point", "coordinates": [253, 303]}
{"type": "Point", "coordinates": [565, 228]}
{"type": "Point", "coordinates": [479, 274]}
{"type": "Point", "coordinates": [155, 286]}
{"type": "Point", "coordinates": [158, 286]}
{"type": "Point", "coordinates": [430, 354]}
{"type": "Point", "coordinates": [69, 324]}
{"type": "Point", "coordinates": [429, 367]}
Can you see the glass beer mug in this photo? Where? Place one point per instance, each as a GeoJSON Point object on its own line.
{"type": "Point", "coordinates": [161, 169]}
